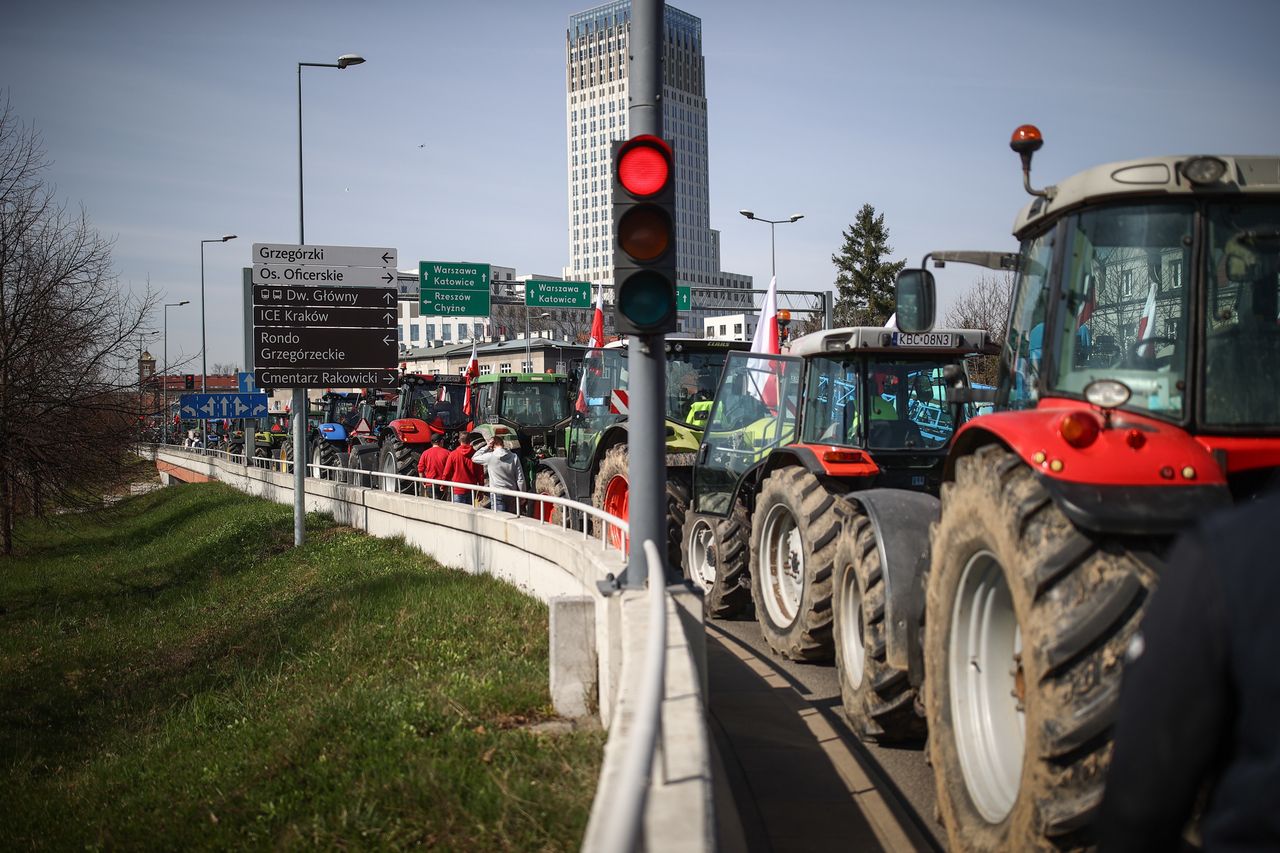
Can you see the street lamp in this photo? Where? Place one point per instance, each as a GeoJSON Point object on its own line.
{"type": "Point", "coordinates": [773, 262]}
{"type": "Point", "coordinates": [164, 373]}
{"type": "Point", "coordinates": [344, 61]}
{"type": "Point", "coordinates": [528, 355]}
{"type": "Point", "coordinates": [204, 370]}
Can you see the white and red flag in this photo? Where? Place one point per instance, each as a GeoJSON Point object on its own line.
{"type": "Point", "coordinates": [473, 370]}
{"type": "Point", "coordinates": [766, 340]}
{"type": "Point", "coordinates": [596, 341]}
{"type": "Point", "coordinates": [1147, 322]}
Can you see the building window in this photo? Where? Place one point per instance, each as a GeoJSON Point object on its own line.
{"type": "Point", "coordinates": [446, 332]}
{"type": "Point", "coordinates": [486, 369]}
{"type": "Point", "coordinates": [413, 333]}
{"type": "Point", "coordinates": [505, 367]}
{"type": "Point", "coordinates": [431, 331]}
{"type": "Point", "coordinates": [526, 367]}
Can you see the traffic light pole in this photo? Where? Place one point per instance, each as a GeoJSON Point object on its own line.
{"type": "Point", "coordinates": [646, 358]}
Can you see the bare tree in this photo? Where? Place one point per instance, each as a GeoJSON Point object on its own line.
{"type": "Point", "coordinates": [985, 305]}
{"type": "Point", "coordinates": [225, 369]}
{"type": "Point", "coordinates": [70, 391]}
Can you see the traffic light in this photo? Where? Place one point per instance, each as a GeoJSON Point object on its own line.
{"type": "Point", "coordinates": [189, 381]}
{"type": "Point", "coordinates": [644, 236]}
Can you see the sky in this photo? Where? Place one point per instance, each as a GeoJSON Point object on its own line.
{"type": "Point", "coordinates": [171, 122]}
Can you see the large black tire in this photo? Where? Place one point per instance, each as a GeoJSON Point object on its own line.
{"type": "Point", "coordinates": [1027, 622]}
{"type": "Point", "coordinates": [397, 457]}
{"type": "Point", "coordinates": [547, 483]}
{"type": "Point", "coordinates": [717, 560]}
{"type": "Point", "coordinates": [286, 456]}
{"type": "Point", "coordinates": [262, 457]}
{"type": "Point", "coordinates": [793, 548]}
{"type": "Point", "coordinates": [879, 700]}
{"type": "Point", "coordinates": [235, 451]}
{"type": "Point", "coordinates": [355, 473]}
{"type": "Point", "coordinates": [614, 467]}
{"type": "Point", "coordinates": [325, 454]}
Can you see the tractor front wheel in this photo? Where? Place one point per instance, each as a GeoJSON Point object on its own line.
{"type": "Point", "coordinates": [717, 560]}
{"type": "Point", "coordinates": [612, 493]}
{"type": "Point", "coordinates": [400, 458]}
{"type": "Point", "coordinates": [1027, 622]}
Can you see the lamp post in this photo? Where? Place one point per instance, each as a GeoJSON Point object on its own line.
{"type": "Point", "coordinates": [164, 373]}
{"type": "Point", "coordinates": [528, 354]}
{"type": "Point", "coordinates": [773, 255]}
{"type": "Point", "coordinates": [300, 394]}
{"type": "Point", "coordinates": [204, 370]}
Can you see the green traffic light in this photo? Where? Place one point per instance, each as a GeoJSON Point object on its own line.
{"type": "Point", "coordinates": [647, 298]}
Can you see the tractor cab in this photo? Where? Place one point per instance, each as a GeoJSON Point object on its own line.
{"type": "Point", "coordinates": [532, 408]}
{"type": "Point", "coordinates": [426, 397]}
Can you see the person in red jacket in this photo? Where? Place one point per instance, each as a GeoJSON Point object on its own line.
{"type": "Point", "coordinates": [431, 463]}
{"type": "Point", "coordinates": [460, 469]}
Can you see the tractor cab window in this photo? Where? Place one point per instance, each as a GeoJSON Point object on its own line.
{"type": "Point", "coordinates": [1242, 316]}
{"type": "Point", "coordinates": [881, 403]}
{"type": "Point", "coordinates": [1024, 344]}
{"type": "Point", "coordinates": [832, 412]}
{"type": "Point", "coordinates": [691, 384]}
{"type": "Point", "coordinates": [536, 404]}
{"type": "Point", "coordinates": [604, 372]}
{"type": "Point", "coordinates": [1127, 295]}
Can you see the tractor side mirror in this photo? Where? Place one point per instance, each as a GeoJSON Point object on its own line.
{"type": "Point", "coordinates": [915, 293]}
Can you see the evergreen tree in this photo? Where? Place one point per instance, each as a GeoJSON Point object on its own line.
{"type": "Point", "coordinates": [864, 278]}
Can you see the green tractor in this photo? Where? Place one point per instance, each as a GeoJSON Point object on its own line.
{"type": "Point", "coordinates": [594, 468]}
{"type": "Point", "coordinates": [532, 408]}
{"type": "Point", "coordinates": [269, 437]}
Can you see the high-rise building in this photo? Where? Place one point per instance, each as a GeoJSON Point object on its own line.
{"type": "Point", "coordinates": [596, 115]}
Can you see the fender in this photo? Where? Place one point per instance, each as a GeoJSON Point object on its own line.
{"type": "Point", "coordinates": [901, 520]}
{"type": "Point", "coordinates": [333, 432]}
{"type": "Point", "coordinates": [410, 430]}
{"type": "Point", "coordinates": [1140, 476]}
{"type": "Point", "coordinates": [823, 460]}
{"type": "Point", "coordinates": [577, 484]}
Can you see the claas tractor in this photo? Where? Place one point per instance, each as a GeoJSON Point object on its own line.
{"type": "Point", "coordinates": [790, 439]}
{"type": "Point", "coordinates": [595, 467]}
{"type": "Point", "coordinates": [269, 434]}
{"type": "Point", "coordinates": [428, 408]}
{"type": "Point", "coordinates": [1138, 391]}
{"type": "Point", "coordinates": [530, 410]}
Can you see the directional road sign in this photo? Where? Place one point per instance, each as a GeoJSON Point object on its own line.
{"type": "Point", "coordinates": [302, 377]}
{"type": "Point", "coordinates": [319, 348]}
{"type": "Point", "coordinates": [327, 275]}
{"type": "Point", "coordinates": [297, 296]}
{"type": "Point", "coordinates": [245, 382]}
{"type": "Point", "coordinates": [684, 297]}
{"type": "Point", "coordinates": [557, 294]}
{"type": "Point", "coordinates": [324, 317]}
{"type": "Point", "coordinates": [334, 256]}
{"type": "Point", "coordinates": [211, 406]}
{"type": "Point", "coordinates": [447, 288]}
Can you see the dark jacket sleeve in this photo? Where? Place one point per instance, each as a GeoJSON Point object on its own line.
{"type": "Point", "coordinates": [1173, 710]}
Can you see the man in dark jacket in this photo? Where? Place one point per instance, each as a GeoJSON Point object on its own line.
{"type": "Point", "coordinates": [1200, 705]}
{"type": "Point", "coordinates": [461, 469]}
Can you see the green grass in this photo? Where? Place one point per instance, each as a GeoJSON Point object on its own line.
{"type": "Point", "coordinates": [174, 674]}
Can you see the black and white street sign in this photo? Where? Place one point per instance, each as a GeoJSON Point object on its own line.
{"type": "Point", "coordinates": [324, 317]}
{"type": "Point", "coordinates": [319, 348]}
{"type": "Point", "coordinates": [300, 377]}
{"type": "Point", "coordinates": [325, 297]}
{"type": "Point", "coordinates": [332, 256]}
{"type": "Point", "coordinates": [325, 275]}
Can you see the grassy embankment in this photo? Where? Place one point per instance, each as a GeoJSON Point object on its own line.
{"type": "Point", "coordinates": [174, 674]}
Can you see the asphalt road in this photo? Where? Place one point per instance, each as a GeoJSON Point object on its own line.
{"type": "Point", "coordinates": [796, 777]}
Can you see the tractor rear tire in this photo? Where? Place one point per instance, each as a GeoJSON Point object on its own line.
{"type": "Point", "coordinates": [717, 560]}
{"type": "Point", "coordinates": [612, 488]}
{"type": "Point", "coordinates": [879, 700]}
{"type": "Point", "coordinates": [547, 483]}
{"type": "Point", "coordinates": [1027, 623]}
{"type": "Point", "coordinates": [397, 457]}
{"type": "Point", "coordinates": [262, 457]}
{"type": "Point", "coordinates": [794, 534]}
{"type": "Point", "coordinates": [326, 455]}
{"type": "Point", "coordinates": [235, 452]}
{"type": "Point", "coordinates": [286, 456]}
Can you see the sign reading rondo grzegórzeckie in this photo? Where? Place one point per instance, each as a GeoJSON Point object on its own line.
{"type": "Point", "coordinates": [453, 289]}
{"type": "Point", "coordinates": [541, 293]}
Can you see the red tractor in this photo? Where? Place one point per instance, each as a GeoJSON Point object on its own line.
{"type": "Point", "coordinates": [1139, 390]}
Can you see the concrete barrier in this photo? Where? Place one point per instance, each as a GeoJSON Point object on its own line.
{"type": "Point", "coordinates": [562, 568]}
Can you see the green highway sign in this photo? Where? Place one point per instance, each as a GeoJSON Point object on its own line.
{"type": "Point", "coordinates": [539, 293]}
{"type": "Point", "coordinates": [446, 288]}
{"type": "Point", "coordinates": [684, 297]}
{"type": "Point", "coordinates": [439, 302]}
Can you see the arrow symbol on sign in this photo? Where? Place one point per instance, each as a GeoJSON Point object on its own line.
{"type": "Point", "coordinates": [388, 278]}
{"type": "Point", "coordinates": [390, 297]}
{"type": "Point", "coordinates": [207, 408]}
{"type": "Point", "coordinates": [187, 410]}
{"type": "Point", "coordinates": [386, 257]}
{"type": "Point", "coordinates": [388, 341]}
{"type": "Point", "coordinates": [389, 316]}
{"type": "Point", "coordinates": [391, 377]}
{"type": "Point", "coordinates": [240, 407]}
{"type": "Point", "coordinates": [258, 409]}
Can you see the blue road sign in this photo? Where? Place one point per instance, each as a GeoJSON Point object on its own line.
{"type": "Point", "coordinates": [214, 406]}
{"type": "Point", "coordinates": [245, 379]}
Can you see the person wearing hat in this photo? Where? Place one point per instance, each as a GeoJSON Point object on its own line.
{"type": "Point", "coordinates": [460, 468]}
{"type": "Point", "coordinates": [504, 470]}
{"type": "Point", "coordinates": [431, 463]}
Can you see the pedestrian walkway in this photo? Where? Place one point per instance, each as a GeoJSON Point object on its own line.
{"type": "Point", "coordinates": [787, 781]}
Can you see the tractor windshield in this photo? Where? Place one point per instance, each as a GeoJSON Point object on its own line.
{"type": "Point", "coordinates": [880, 403]}
{"type": "Point", "coordinates": [601, 404]}
{"type": "Point", "coordinates": [431, 400]}
{"type": "Point", "coordinates": [535, 404]}
{"type": "Point", "coordinates": [692, 377]}
{"type": "Point", "coordinates": [343, 409]}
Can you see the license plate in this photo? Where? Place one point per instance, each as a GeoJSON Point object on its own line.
{"type": "Point", "coordinates": [924, 339]}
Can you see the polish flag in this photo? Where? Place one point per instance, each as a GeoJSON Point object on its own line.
{"type": "Point", "coordinates": [596, 341]}
{"type": "Point", "coordinates": [473, 370]}
{"type": "Point", "coordinates": [766, 340]}
{"type": "Point", "coordinates": [1146, 324]}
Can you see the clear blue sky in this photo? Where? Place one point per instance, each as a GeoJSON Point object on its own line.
{"type": "Point", "coordinates": [175, 121]}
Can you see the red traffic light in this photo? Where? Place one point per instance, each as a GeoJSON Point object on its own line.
{"type": "Point", "coordinates": [644, 165]}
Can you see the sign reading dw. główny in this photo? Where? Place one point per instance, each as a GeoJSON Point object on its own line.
{"type": "Point", "coordinates": [450, 289]}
